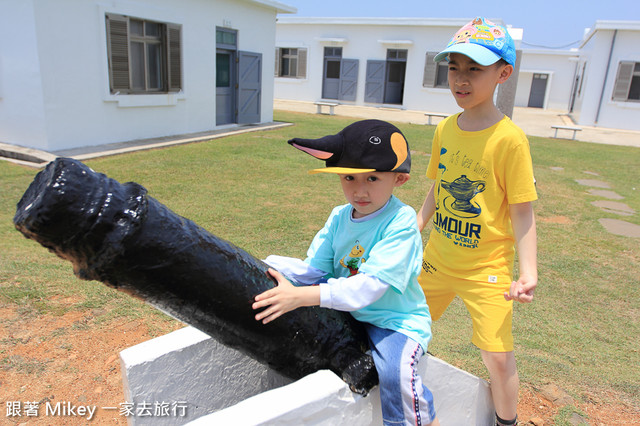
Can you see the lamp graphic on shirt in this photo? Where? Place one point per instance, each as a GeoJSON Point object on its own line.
{"type": "Point", "coordinates": [462, 191]}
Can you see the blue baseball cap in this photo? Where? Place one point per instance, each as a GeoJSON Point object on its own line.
{"type": "Point", "coordinates": [483, 41]}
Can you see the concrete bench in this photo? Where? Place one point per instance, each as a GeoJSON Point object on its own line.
{"type": "Point", "coordinates": [574, 129]}
{"type": "Point", "coordinates": [434, 114]}
{"type": "Point", "coordinates": [331, 106]}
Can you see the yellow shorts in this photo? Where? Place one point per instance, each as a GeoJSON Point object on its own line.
{"type": "Point", "coordinates": [490, 313]}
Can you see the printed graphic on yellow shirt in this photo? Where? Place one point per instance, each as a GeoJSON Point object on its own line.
{"type": "Point", "coordinates": [460, 203]}
{"type": "Point", "coordinates": [455, 204]}
{"type": "Point", "coordinates": [354, 259]}
{"type": "Point", "coordinates": [444, 169]}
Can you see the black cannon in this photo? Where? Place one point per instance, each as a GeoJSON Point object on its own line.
{"type": "Point", "coordinates": [116, 233]}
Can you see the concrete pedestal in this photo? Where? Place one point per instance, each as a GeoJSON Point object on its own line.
{"type": "Point", "coordinates": [186, 377]}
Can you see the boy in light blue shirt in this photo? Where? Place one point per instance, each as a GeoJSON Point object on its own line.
{"type": "Point", "coordinates": [366, 260]}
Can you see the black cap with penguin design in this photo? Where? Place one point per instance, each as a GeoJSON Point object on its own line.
{"type": "Point", "coordinates": [361, 147]}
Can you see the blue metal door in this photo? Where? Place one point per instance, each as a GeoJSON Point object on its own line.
{"type": "Point", "coordinates": [394, 87]}
{"type": "Point", "coordinates": [331, 78]}
{"type": "Point", "coordinates": [538, 90]}
{"type": "Point", "coordinates": [374, 84]}
{"type": "Point", "coordinates": [348, 79]}
{"type": "Point", "coordinates": [225, 87]}
{"type": "Point", "coordinates": [249, 87]}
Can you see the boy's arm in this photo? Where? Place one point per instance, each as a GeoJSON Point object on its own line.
{"type": "Point", "coordinates": [295, 269]}
{"type": "Point", "coordinates": [283, 298]}
{"type": "Point", "coordinates": [343, 294]}
{"type": "Point", "coordinates": [428, 209]}
{"type": "Point", "coordinates": [352, 293]}
{"type": "Point", "coordinates": [524, 228]}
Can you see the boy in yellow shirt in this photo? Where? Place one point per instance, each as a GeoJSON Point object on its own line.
{"type": "Point", "coordinates": [481, 206]}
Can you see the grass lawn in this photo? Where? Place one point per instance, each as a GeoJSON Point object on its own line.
{"type": "Point", "coordinates": [581, 332]}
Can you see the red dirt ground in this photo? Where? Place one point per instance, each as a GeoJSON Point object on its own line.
{"type": "Point", "coordinates": [68, 358]}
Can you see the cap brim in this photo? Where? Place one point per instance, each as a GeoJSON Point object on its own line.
{"type": "Point", "coordinates": [340, 170]}
{"type": "Point", "coordinates": [480, 54]}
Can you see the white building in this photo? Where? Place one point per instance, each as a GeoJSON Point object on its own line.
{"type": "Point", "coordinates": [606, 92]}
{"type": "Point", "coordinates": [546, 78]}
{"type": "Point", "coordinates": [388, 62]}
{"type": "Point", "coordinates": [75, 73]}
{"type": "Point", "coordinates": [365, 61]}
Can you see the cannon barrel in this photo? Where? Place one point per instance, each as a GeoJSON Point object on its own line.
{"type": "Point", "coordinates": [118, 234]}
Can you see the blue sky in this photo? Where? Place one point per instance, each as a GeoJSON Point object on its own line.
{"type": "Point", "coordinates": [548, 23]}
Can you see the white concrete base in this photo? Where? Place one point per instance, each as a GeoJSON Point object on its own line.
{"type": "Point", "coordinates": [221, 386]}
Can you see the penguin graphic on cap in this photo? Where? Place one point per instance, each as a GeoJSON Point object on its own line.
{"type": "Point", "coordinates": [361, 147]}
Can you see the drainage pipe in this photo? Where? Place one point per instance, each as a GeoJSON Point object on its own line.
{"type": "Point", "coordinates": [606, 76]}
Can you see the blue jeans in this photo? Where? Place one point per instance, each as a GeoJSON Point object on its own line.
{"type": "Point", "coordinates": [403, 397]}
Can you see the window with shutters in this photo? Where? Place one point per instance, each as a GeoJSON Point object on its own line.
{"type": "Point", "coordinates": [627, 85]}
{"type": "Point", "coordinates": [435, 73]}
{"type": "Point", "coordinates": [144, 56]}
{"type": "Point", "coordinates": [291, 62]}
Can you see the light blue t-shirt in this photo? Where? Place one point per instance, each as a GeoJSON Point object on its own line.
{"type": "Point", "coordinates": [389, 247]}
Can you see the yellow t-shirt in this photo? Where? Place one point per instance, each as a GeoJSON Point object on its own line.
{"type": "Point", "coordinates": [477, 174]}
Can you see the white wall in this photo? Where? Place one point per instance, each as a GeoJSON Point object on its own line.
{"type": "Point", "coordinates": [594, 77]}
{"type": "Point", "coordinates": [560, 66]}
{"type": "Point", "coordinates": [59, 98]}
{"type": "Point", "coordinates": [361, 39]}
{"type": "Point", "coordinates": [596, 107]}
{"type": "Point", "coordinates": [207, 377]}
{"type": "Point", "coordinates": [21, 97]}
{"type": "Point", "coordinates": [364, 39]}
{"type": "Point", "coordinates": [582, 78]}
